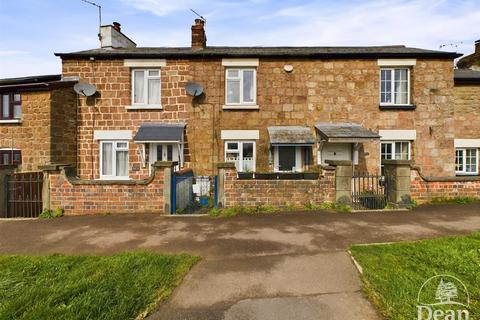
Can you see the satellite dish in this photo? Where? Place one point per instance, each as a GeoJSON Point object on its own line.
{"type": "Point", "coordinates": [194, 89]}
{"type": "Point", "coordinates": [85, 89]}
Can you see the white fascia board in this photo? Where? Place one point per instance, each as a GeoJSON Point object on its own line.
{"type": "Point", "coordinates": [396, 62]}
{"type": "Point", "coordinates": [240, 62]}
{"type": "Point", "coordinates": [240, 134]}
{"type": "Point", "coordinates": [467, 143]}
{"type": "Point", "coordinates": [144, 63]}
{"type": "Point", "coordinates": [112, 135]}
{"type": "Point", "coordinates": [398, 134]}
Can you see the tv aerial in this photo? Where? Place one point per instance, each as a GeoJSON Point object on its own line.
{"type": "Point", "coordinates": [194, 89]}
{"type": "Point", "coordinates": [85, 89]}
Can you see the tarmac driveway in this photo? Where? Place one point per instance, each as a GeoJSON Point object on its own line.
{"type": "Point", "coordinates": [278, 266]}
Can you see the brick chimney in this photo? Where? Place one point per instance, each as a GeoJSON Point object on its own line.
{"type": "Point", "coordinates": [199, 38]}
{"type": "Point", "coordinates": [477, 46]}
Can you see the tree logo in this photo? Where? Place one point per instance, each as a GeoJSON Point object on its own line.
{"type": "Point", "coordinates": [443, 297]}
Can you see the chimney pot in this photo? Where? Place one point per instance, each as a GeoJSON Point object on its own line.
{"type": "Point", "coordinates": [116, 26]}
{"type": "Point", "coordinates": [199, 38]}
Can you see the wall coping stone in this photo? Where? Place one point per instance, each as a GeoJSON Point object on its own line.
{"type": "Point", "coordinates": [53, 167]}
{"type": "Point", "coordinates": [165, 164]}
{"type": "Point", "coordinates": [225, 165]}
{"type": "Point", "coordinates": [8, 166]}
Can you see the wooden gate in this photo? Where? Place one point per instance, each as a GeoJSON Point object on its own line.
{"type": "Point", "coordinates": [24, 194]}
{"type": "Point", "coordinates": [370, 191]}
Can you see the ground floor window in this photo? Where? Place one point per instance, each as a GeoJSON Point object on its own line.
{"type": "Point", "coordinates": [291, 158]}
{"type": "Point", "coordinates": [10, 156]}
{"type": "Point", "coordinates": [466, 161]}
{"type": "Point", "coordinates": [114, 159]}
{"type": "Point", "coordinates": [242, 153]}
{"type": "Point", "coordinates": [394, 150]}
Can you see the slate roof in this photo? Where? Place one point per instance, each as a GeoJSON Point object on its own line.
{"type": "Point", "coordinates": [345, 131]}
{"type": "Point", "coordinates": [397, 51]}
{"type": "Point", "coordinates": [466, 76]}
{"type": "Point", "coordinates": [30, 79]}
{"type": "Point", "coordinates": [288, 135]}
{"type": "Point", "coordinates": [158, 131]}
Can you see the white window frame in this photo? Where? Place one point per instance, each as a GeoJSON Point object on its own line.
{"type": "Point", "coordinates": [299, 166]}
{"type": "Point", "coordinates": [464, 162]}
{"type": "Point", "coordinates": [113, 176]}
{"type": "Point", "coordinates": [392, 143]}
{"type": "Point", "coordinates": [392, 84]}
{"type": "Point", "coordinates": [146, 77]}
{"type": "Point", "coordinates": [240, 152]}
{"type": "Point", "coordinates": [240, 78]}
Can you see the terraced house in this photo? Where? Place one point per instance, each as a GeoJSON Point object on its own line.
{"type": "Point", "coordinates": [267, 109]}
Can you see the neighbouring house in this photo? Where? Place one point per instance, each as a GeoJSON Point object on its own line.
{"type": "Point", "coordinates": [467, 121]}
{"type": "Point", "coordinates": [37, 121]}
{"type": "Point", "coordinates": [266, 109]}
{"type": "Point", "coordinates": [471, 61]}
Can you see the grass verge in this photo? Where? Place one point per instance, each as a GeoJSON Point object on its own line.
{"type": "Point", "coordinates": [394, 273]}
{"type": "Point", "coordinates": [121, 286]}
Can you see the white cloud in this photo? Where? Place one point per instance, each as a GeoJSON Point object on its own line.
{"type": "Point", "coordinates": [161, 7]}
{"type": "Point", "coordinates": [29, 65]}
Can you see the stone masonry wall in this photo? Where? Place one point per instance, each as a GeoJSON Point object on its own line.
{"type": "Point", "coordinates": [467, 111]}
{"type": "Point", "coordinates": [63, 130]}
{"type": "Point", "coordinates": [115, 197]}
{"type": "Point", "coordinates": [316, 90]}
{"type": "Point", "coordinates": [424, 191]}
{"type": "Point", "coordinates": [280, 193]}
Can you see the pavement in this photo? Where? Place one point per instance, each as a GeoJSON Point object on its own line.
{"type": "Point", "coordinates": [274, 266]}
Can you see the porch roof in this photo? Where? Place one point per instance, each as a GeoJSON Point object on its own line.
{"type": "Point", "coordinates": [160, 132]}
{"type": "Point", "coordinates": [345, 132]}
{"type": "Point", "coordinates": [290, 135]}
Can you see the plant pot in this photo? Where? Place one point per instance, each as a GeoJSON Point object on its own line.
{"type": "Point", "coordinates": [203, 201]}
{"type": "Point", "coordinates": [290, 176]}
{"type": "Point", "coordinates": [311, 175]}
{"type": "Point", "coordinates": [266, 176]}
{"type": "Point", "coordinates": [245, 175]}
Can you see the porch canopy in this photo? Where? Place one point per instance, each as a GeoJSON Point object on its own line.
{"type": "Point", "coordinates": [290, 136]}
{"type": "Point", "coordinates": [157, 132]}
{"type": "Point", "coordinates": [345, 132]}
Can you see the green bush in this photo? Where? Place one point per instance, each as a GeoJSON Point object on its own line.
{"type": "Point", "coordinates": [49, 213]}
{"type": "Point", "coordinates": [455, 200]}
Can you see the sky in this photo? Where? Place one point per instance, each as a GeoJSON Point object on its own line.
{"type": "Point", "coordinates": [32, 30]}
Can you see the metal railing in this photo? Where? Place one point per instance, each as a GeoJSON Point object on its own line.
{"type": "Point", "coordinates": [24, 194]}
{"type": "Point", "coordinates": [370, 191]}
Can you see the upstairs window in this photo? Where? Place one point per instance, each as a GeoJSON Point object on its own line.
{"type": "Point", "coordinates": [10, 156]}
{"type": "Point", "coordinates": [394, 86]}
{"type": "Point", "coordinates": [11, 106]}
{"type": "Point", "coordinates": [466, 161]}
{"type": "Point", "coordinates": [240, 87]}
{"type": "Point", "coordinates": [146, 89]}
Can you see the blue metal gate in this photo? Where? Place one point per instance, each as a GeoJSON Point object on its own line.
{"type": "Point", "coordinates": [182, 190]}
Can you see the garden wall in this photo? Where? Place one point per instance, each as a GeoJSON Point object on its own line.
{"type": "Point", "coordinates": [278, 192]}
{"type": "Point", "coordinates": [79, 197]}
{"type": "Point", "coordinates": [424, 189]}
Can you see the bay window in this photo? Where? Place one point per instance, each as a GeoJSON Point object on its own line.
{"type": "Point", "coordinates": [240, 87]}
{"type": "Point", "coordinates": [242, 153]}
{"type": "Point", "coordinates": [466, 161]}
{"type": "Point", "coordinates": [394, 86]}
{"type": "Point", "coordinates": [114, 160]}
{"type": "Point", "coordinates": [146, 88]}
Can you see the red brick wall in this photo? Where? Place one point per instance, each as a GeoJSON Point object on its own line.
{"type": "Point", "coordinates": [94, 198]}
{"type": "Point", "coordinates": [280, 193]}
{"type": "Point", "coordinates": [424, 191]}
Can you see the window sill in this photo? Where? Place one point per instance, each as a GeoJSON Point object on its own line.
{"type": "Point", "coordinates": [114, 179]}
{"type": "Point", "coordinates": [11, 121]}
{"type": "Point", "coordinates": [144, 107]}
{"type": "Point", "coordinates": [240, 107]}
{"type": "Point", "coordinates": [398, 107]}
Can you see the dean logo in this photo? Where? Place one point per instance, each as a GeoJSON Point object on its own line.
{"type": "Point", "coordinates": [443, 297]}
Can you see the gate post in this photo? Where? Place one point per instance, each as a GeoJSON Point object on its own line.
{"type": "Point", "coordinates": [5, 169]}
{"type": "Point", "coordinates": [167, 167]}
{"type": "Point", "coordinates": [343, 180]}
{"type": "Point", "coordinates": [222, 168]}
{"type": "Point", "coordinates": [397, 173]}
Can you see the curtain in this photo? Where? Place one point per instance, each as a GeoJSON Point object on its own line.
{"type": "Point", "coordinates": [139, 86]}
{"type": "Point", "coordinates": [122, 164]}
{"type": "Point", "coordinates": [107, 156]}
{"type": "Point", "coordinates": [153, 91]}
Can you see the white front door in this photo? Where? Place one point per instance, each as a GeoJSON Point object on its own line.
{"type": "Point", "coordinates": [336, 151]}
{"type": "Point", "coordinates": [164, 152]}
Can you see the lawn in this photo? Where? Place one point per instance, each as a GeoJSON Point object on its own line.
{"type": "Point", "coordinates": [121, 286]}
{"type": "Point", "coordinates": [394, 273]}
